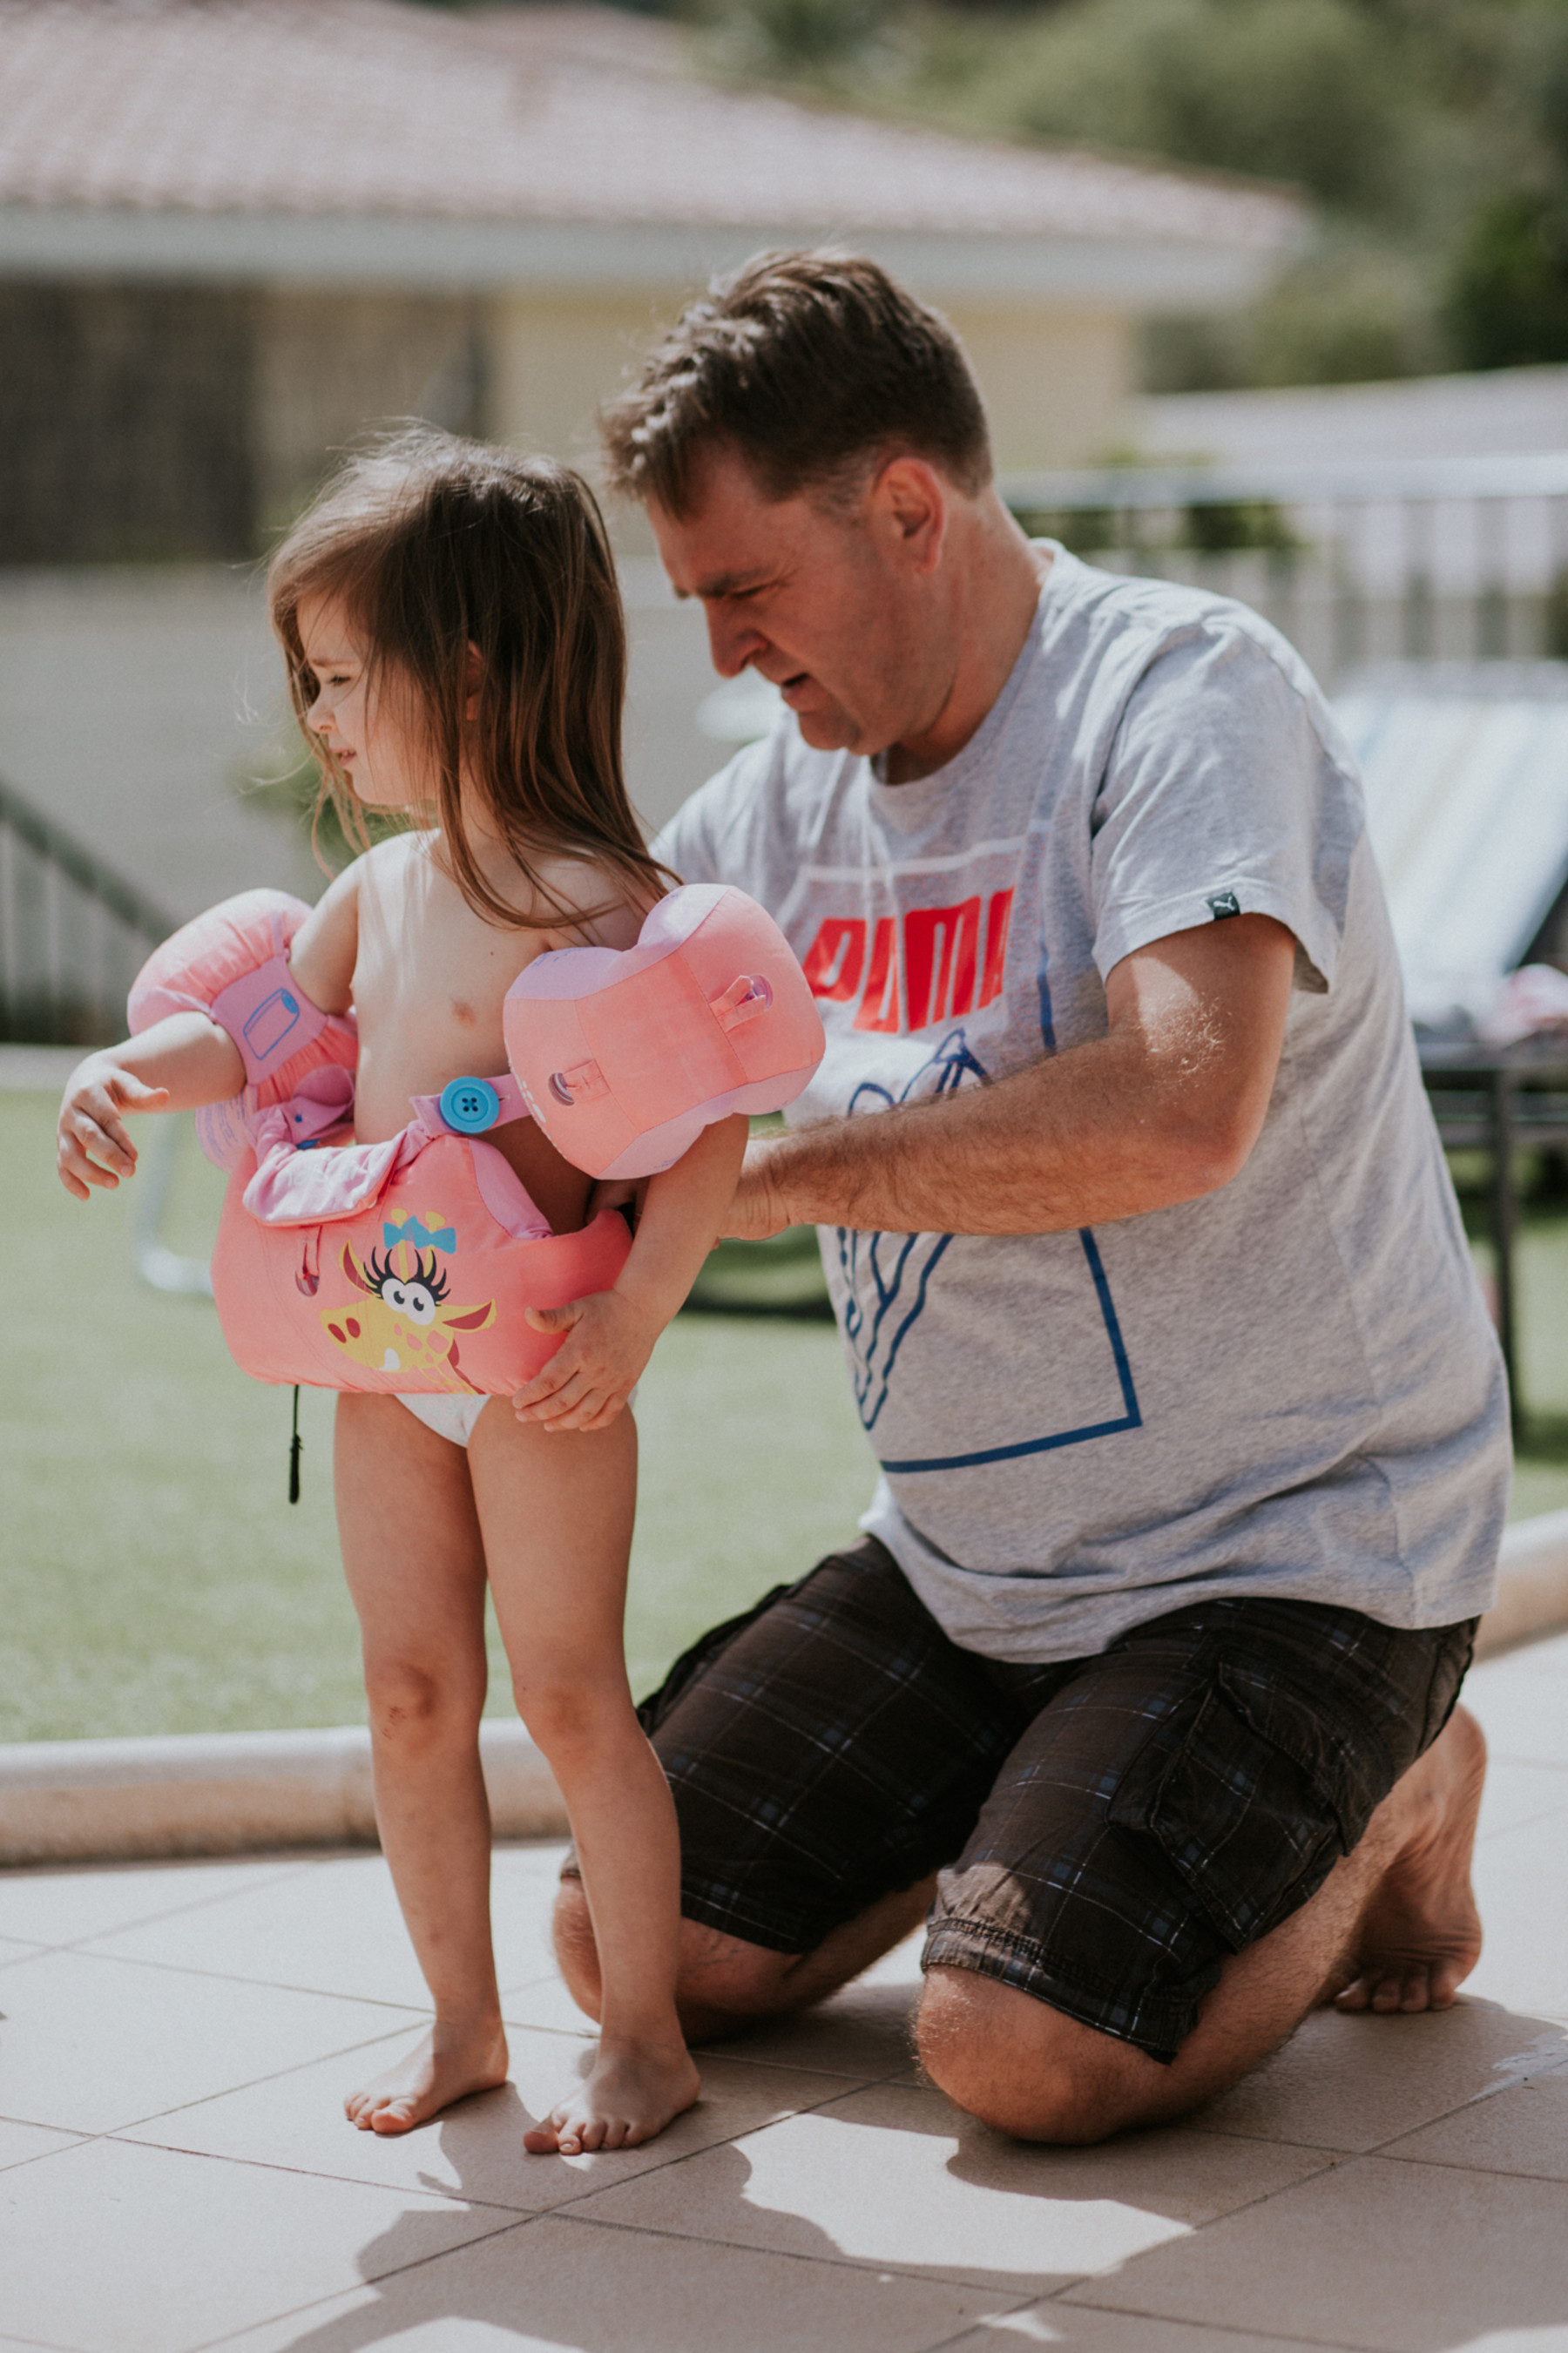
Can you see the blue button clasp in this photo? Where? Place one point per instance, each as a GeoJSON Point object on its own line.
{"type": "Point", "coordinates": [470, 1105]}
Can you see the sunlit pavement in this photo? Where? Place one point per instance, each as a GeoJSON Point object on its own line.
{"type": "Point", "coordinates": [175, 2171]}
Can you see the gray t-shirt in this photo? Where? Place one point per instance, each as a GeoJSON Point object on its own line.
{"type": "Point", "coordinates": [1288, 1387]}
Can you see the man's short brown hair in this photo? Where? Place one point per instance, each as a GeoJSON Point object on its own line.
{"type": "Point", "coordinates": [814, 366]}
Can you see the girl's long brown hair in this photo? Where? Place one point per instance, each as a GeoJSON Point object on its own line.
{"type": "Point", "coordinates": [433, 548]}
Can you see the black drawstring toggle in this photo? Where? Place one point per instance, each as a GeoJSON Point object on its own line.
{"type": "Point", "coordinates": [294, 1445]}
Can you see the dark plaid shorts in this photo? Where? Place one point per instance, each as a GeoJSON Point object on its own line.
{"type": "Point", "coordinates": [1107, 1830]}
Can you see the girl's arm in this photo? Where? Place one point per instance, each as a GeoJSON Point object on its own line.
{"type": "Point", "coordinates": [324, 950]}
{"type": "Point", "coordinates": [610, 1334]}
{"type": "Point", "coordinates": [187, 1059]}
{"type": "Point", "coordinates": [176, 1065]}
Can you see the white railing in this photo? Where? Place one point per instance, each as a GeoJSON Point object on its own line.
{"type": "Point", "coordinates": [1452, 559]}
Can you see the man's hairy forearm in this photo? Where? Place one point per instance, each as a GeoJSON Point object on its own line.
{"type": "Point", "coordinates": [1164, 1107]}
{"type": "Point", "coordinates": [1090, 1134]}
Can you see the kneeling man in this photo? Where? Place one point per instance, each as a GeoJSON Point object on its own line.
{"type": "Point", "coordinates": [1156, 1305]}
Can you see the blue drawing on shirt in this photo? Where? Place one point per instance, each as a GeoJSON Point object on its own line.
{"type": "Point", "coordinates": [886, 1276]}
{"type": "Point", "coordinates": [874, 1329]}
{"type": "Point", "coordinates": [1043, 983]}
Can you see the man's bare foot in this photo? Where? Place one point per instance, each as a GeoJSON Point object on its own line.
{"type": "Point", "coordinates": [633, 2091]}
{"type": "Point", "coordinates": [446, 2064]}
{"type": "Point", "coordinates": [1421, 1933]}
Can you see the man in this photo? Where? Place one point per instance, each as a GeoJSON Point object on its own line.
{"type": "Point", "coordinates": [1158, 1312]}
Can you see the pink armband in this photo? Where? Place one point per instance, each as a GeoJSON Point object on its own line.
{"type": "Point", "coordinates": [232, 964]}
{"type": "Point", "coordinates": [624, 1058]}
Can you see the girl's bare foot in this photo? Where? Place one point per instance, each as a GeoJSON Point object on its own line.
{"type": "Point", "coordinates": [1421, 1934]}
{"type": "Point", "coordinates": [446, 2064]}
{"type": "Point", "coordinates": [633, 2091]}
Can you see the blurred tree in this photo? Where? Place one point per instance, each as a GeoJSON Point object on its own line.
{"type": "Point", "coordinates": [1288, 89]}
{"type": "Point", "coordinates": [806, 37]}
{"type": "Point", "coordinates": [1508, 290]}
{"type": "Point", "coordinates": [1432, 134]}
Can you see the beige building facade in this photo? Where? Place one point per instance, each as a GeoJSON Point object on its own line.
{"type": "Point", "coordinates": [214, 272]}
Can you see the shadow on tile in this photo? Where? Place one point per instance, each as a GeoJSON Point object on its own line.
{"type": "Point", "coordinates": [1352, 2083]}
{"type": "Point", "coordinates": [1377, 2254]}
{"type": "Point", "coordinates": [1075, 2329]}
{"type": "Point", "coordinates": [900, 2179]}
{"type": "Point", "coordinates": [1522, 2129]}
{"type": "Point", "coordinates": [474, 2152]}
{"type": "Point", "coordinates": [553, 2283]}
{"type": "Point", "coordinates": [866, 2030]}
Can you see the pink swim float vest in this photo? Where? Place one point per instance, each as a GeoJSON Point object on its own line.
{"type": "Point", "coordinates": [406, 1266]}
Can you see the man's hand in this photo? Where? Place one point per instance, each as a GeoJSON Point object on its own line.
{"type": "Point", "coordinates": [599, 1363]}
{"type": "Point", "coordinates": [1166, 1108]}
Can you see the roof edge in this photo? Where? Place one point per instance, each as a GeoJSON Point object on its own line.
{"type": "Point", "coordinates": [421, 252]}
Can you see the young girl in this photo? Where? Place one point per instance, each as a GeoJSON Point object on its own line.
{"type": "Point", "coordinates": [456, 650]}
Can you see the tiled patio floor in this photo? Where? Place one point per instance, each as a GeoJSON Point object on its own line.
{"type": "Point", "coordinates": [175, 2173]}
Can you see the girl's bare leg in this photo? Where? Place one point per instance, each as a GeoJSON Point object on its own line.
{"type": "Point", "coordinates": [556, 1512]}
{"type": "Point", "coordinates": [416, 1569]}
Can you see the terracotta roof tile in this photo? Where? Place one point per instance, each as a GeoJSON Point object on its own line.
{"type": "Point", "coordinates": [547, 114]}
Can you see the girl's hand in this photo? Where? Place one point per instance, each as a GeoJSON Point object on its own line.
{"type": "Point", "coordinates": [589, 1378]}
{"type": "Point", "coordinates": [92, 1146]}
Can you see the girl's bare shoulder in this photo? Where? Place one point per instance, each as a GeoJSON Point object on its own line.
{"type": "Point", "coordinates": [583, 903]}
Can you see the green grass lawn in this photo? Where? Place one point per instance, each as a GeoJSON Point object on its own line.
{"type": "Point", "coordinates": [153, 1576]}
{"type": "Point", "coordinates": [154, 1579]}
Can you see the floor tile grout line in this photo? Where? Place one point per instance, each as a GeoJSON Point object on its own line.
{"type": "Point", "coordinates": [127, 2136]}
{"type": "Point", "coordinates": [1472, 2165]}
{"type": "Point", "coordinates": [1462, 2107]}
{"type": "Point", "coordinates": [316, 2173]}
{"type": "Point", "coordinates": [1270, 2336]}
{"type": "Point", "coordinates": [133, 2124]}
{"type": "Point", "coordinates": [134, 2134]}
{"type": "Point", "coordinates": [252, 2083]}
{"type": "Point", "coordinates": [795, 2066]}
{"type": "Point", "coordinates": [397, 2271]}
{"type": "Point", "coordinates": [921, 2274]}
{"type": "Point", "coordinates": [1275, 2139]}
{"type": "Point", "coordinates": [222, 1977]}
{"type": "Point", "coordinates": [1381, 2147]}
{"type": "Point", "coordinates": [415, 2011]}
{"type": "Point", "coordinates": [148, 1920]}
{"type": "Point", "coordinates": [968, 2327]}
{"type": "Point", "coordinates": [689, 2155]}
{"type": "Point", "coordinates": [42, 2157]}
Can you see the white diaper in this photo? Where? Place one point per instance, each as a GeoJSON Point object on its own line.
{"type": "Point", "coordinates": [454, 1417]}
{"type": "Point", "coordinates": [448, 1416]}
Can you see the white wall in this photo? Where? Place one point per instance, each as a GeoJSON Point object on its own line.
{"type": "Point", "coordinates": [133, 702]}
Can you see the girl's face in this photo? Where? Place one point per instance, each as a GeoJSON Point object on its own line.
{"type": "Point", "coordinates": [372, 745]}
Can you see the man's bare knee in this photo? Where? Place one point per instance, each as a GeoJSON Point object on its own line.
{"type": "Point", "coordinates": [576, 1951]}
{"type": "Point", "coordinates": [1028, 2070]}
{"type": "Point", "coordinates": [723, 1986]}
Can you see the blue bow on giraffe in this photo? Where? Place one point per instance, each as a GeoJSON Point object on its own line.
{"type": "Point", "coordinates": [418, 1235]}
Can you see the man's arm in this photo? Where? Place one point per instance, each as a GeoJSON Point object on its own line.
{"type": "Point", "coordinates": [1164, 1108]}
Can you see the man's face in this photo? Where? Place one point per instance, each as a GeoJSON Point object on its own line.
{"type": "Point", "coordinates": [834, 608]}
